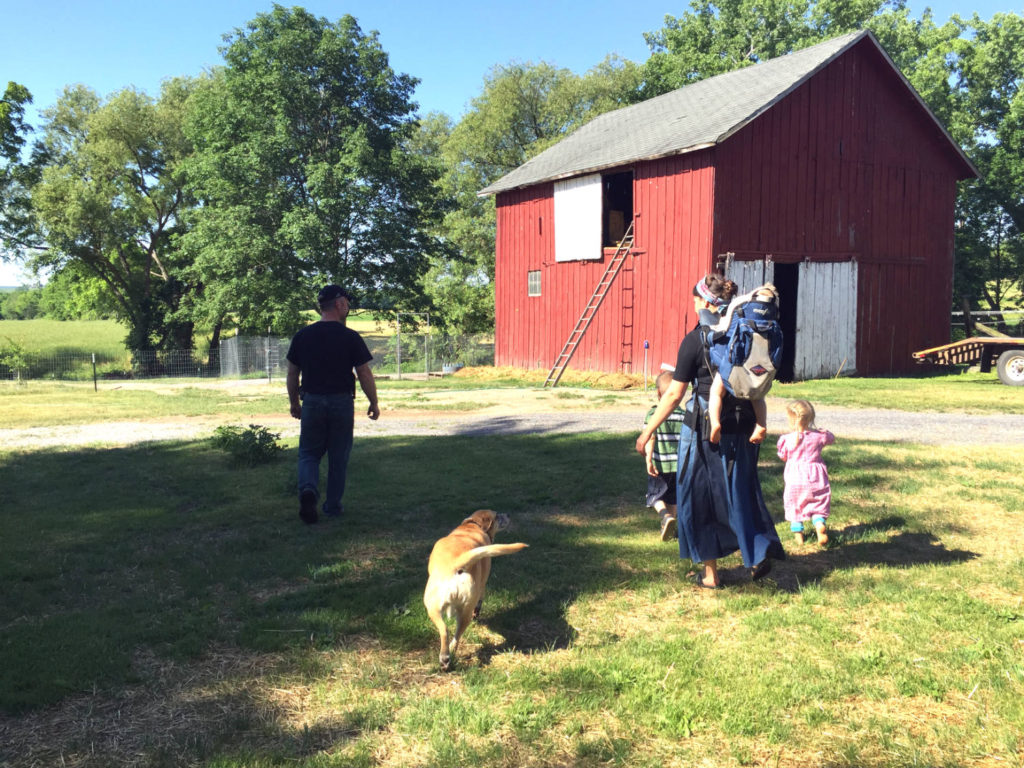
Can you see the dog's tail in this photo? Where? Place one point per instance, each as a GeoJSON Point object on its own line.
{"type": "Point", "coordinates": [491, 550]}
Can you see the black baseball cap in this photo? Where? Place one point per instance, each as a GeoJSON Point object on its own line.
{"type": "Point", "coordinates": [331, 292]}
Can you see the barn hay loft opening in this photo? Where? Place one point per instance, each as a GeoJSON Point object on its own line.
{"type": "Point", "coordinates": [617, 214]}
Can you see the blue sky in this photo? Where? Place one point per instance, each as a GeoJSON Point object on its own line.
{"type": "Point", "coordinates": [48, 44]}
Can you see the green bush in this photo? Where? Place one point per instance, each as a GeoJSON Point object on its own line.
{"type": "Point", "coordinates": [13, 359]}
{"type": "Point", "coordinates": [251, 446]}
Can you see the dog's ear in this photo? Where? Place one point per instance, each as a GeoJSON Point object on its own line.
{"type": "Point", "coordinates": [486, 519]}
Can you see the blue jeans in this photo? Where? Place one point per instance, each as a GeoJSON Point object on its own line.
{"type": "Point", "coordinates": [326, 427]}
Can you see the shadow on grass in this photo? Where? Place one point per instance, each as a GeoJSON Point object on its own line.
{"type": "Point", "coordinates": [172, 547]}
{"type": "Point", "coordinates": [171, 550]}
{"type": "Point", "coordinates": [522, 425]}
{"type": "Point", "coordinates": [852, 546]}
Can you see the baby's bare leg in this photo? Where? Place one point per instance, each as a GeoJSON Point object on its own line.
{"type": "Point", "coordinates": [761, 417]}
{"type": "Point", "coordinates": [715, 407]}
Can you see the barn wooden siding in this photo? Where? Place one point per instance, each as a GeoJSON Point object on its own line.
{"type": "Point", "coordinates": [525, 242]}
{"type": "Point", "coordinates": [650, 300]}
{"type": "Point", "coordinates": [849, 168]}
{"type": "Point", "coordinates": [674, 200]}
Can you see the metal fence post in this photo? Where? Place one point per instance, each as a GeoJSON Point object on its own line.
{"type": "Point", "coordinates": [398, 341]}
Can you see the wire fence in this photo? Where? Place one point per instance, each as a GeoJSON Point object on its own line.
{"type": "Point", "coordinates": [265, 357]}
{"type": "Point", "coordinates": [246, 358]}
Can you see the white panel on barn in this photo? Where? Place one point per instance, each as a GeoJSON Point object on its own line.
{"type": "Point", "coordinates": [749, 275]}
{"type": "Point", "coordinates": [578, 218]}
{"type": "Point", "coordinates": [826, 320]}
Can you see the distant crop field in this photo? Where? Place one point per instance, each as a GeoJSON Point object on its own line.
{"type": "Point", "coordinates": [52, 337]}
{"type": "Point", "coordinates": [106, 337]}
{"type": "Point", "coordinates": [364, 323]}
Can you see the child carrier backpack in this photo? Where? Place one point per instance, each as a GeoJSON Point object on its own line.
{"type": "Point", "coordinates": [745, 347]}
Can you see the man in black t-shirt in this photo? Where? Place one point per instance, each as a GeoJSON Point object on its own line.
{"type": "Point", "coordinates": [323, 355]}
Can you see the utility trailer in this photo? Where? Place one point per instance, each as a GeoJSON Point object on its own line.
{"type": "Point", "coordinates": [1005, 352]}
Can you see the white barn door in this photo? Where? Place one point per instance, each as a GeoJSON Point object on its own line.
{"type": "Point", "coordinates": [749, 275]}
{"type": "Point", "coordinates": [826, 320]}
{"type": "Point", "coordinates": [578, 218]}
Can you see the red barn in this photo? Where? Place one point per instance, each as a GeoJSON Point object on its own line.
{"type": "Point", "coordinates": [822, 171]}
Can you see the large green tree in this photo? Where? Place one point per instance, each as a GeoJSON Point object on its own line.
{"type": "Point", "coordinates": [110, 201]}
{"type": "Point", "coordinates": [12, 120]}
{"type": "Point", "coordinates": [987, 72]}
{"type": "Point", "coordinates": [303, 176]}
{"type": "Point", "coordinates": [16, 175]}
{"type": "Point", "coordinates": [717, 36]}
{"type": "Point", "coordinates": [522, 110]}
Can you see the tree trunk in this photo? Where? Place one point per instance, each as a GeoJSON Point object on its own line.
{"type": "Point", "coordinates": [213, 363]}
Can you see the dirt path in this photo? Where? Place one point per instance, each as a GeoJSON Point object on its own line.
{"type": "Point", "coordinates": [535, 411]}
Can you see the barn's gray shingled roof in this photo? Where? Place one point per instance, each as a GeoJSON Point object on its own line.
{"type": "Point", "coordinates": [690, 118]}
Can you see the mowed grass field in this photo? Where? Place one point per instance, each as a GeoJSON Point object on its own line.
{"type": "Point", "coordinates": [163, 606]}
{"type": "Point", "coordinates": [106, 337]}
{"type": "Point", "coordinates": [66, 350]}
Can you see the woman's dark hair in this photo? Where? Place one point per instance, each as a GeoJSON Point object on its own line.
{"type": "Point", "coordinates": [719, 287]}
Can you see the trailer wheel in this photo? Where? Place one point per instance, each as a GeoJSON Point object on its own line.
{"type": "Point", "coordinates": [1010, 367]}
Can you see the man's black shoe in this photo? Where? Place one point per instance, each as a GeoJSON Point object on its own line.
{"type": "Point", "coordinates": [307, 507]}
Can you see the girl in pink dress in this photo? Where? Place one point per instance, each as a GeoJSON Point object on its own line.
{"type": "Point", "coordinates": [808, 494]}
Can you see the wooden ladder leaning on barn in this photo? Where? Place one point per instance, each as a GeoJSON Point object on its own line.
{"type": "Point", "coordinates": [610, 273]}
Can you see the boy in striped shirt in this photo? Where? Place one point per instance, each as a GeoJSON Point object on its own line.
{"type": "Point", "coordinates": [662, 462]}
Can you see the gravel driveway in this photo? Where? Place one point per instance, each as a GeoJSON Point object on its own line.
{"type": "Point", "coordinates": [872, 424]}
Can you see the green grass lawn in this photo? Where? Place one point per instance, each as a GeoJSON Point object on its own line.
{"type": "Point", "coordinates": [41, 404]}
{"type": "Point", "coordinates": [936, 391]}
{"type": "Point", "coordinates": [163, 606]}
{"type": "Point", "coordinates": [45, 403]}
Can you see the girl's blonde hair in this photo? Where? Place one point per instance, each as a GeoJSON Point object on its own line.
{"type": "Point", "coordinates": [801, 415]}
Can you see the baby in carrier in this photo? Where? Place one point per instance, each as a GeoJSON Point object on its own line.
{"type": "Point", "coordinates": [744, 350]}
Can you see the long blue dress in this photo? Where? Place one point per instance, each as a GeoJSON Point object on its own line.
{"type": "Point", "coordinates": [720, 508]}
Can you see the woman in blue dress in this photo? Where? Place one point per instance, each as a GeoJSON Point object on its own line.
{"type": "Point", "coordinates": [720, 506]}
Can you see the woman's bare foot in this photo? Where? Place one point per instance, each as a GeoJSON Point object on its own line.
{"type": "Point", "coordinates": [708, 577]}
{"type": "Point", "coordinates": [759, 434]}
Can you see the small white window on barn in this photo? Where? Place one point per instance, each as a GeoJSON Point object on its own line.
{"type": "Point", "coordinates": [533, 283]}
{"type": "Point", "coordinates": [578, 218]}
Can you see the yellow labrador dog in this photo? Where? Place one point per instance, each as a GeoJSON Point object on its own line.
{"type": "Point", "coordinates": [458, 569]}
